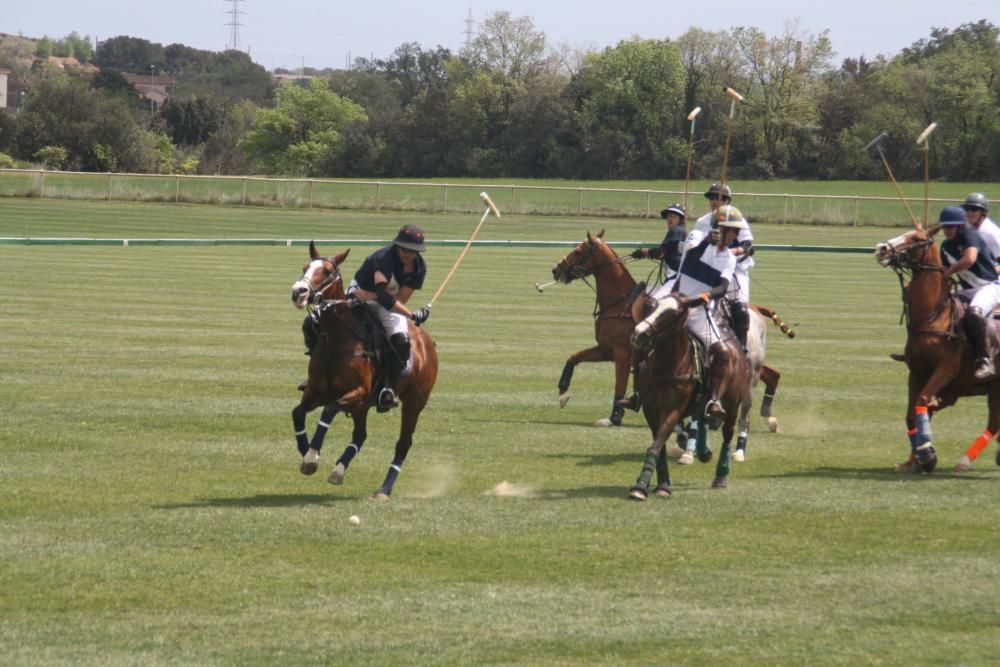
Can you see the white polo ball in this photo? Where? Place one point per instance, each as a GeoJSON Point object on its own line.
{"type": "Point", "coordinates": [354, 520]}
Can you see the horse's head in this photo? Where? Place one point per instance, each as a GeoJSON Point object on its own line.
{"type": "Point", "coordinates": [668, 318]}
{"type": "Point", "coordinates": [320, 278]}
{"type": "Point", "coordinates": [912, 250]}
{"type": "Point", "coordinates": [586, 259]}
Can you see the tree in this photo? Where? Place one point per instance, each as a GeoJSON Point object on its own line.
{"type": "Point", "coordinates": [304, 133]}
{"type": "Point", "coordinates": [630, 117]}
{"type": "Point", "coordinates": [97, 130]}
{"type": "Point", "coordinates": [221, 153]}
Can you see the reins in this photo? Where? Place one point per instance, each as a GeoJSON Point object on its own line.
{"type": "Point", "coordinates": [904, 266]}
{"type": "Point", "coordinates": [577, 271]}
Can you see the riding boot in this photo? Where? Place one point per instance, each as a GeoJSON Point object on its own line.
{"type": "Point", "coordinates": [976, 328]}
{"type": "Point", "coordinates": [394, 360]}
{"type": "Point", "coordinates": [741, 322]}
{"type": "Point", "coordinates": [716, 375]}
{"type": "Point", "coordinates": [309, 334]}
{"type": "Point", "coordinates": [634, 402]}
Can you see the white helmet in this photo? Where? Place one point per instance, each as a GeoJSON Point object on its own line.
{"type": "Point", "coordinates": [729, 217]}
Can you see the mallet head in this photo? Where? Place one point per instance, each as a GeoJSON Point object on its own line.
{"type": "Point", "coordinates": [694, 113]}
{"type": "Point", "coordinates": [926, 133]}
{"type": "Point", "coordinates": [733, 94]}
{"type": "Point", "coordinates": [489, 202]}
{"type": "Point", "coordinates": [877, 141]}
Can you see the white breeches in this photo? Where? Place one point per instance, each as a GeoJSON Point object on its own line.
{"type": "Point", "coordinates": [393, 323]}
{"type": "Point", "coordinates": [986, 298]}
{"type": "Point", "coordinates": [701, 324]}
{"type": "Point", "coordinates": [739, 290]}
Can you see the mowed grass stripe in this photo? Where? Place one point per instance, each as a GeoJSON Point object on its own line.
{"type": "Point", "coordinates": [153, 511]}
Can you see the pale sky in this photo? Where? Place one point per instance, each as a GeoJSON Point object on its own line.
{"type": "Point", "coordinates": [321, 33]}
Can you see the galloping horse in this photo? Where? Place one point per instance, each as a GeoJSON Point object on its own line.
{"type": "Point", "coordinates": [342, 372]}
{"type": "Point", "coordinates": [614, 324]}
{"type": "Point", "coordinates": [940, 362]}
{"type": "Point", "coordinates": [669, 384]}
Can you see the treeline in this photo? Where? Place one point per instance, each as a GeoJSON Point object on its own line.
{"type": "Point", "coordinates": [511, 105]}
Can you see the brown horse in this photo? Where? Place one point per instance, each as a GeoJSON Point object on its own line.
{"type": "Point", "coordinates": [669, 382]}
{"type": "Point", "coordinates": [940, 362]}
{"type": "Point", "coordinates": [614, 324]}
{"type": "Point", "coordinates": [342, 371]}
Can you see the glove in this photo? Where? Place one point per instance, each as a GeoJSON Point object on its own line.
{"type": "Point", "coordinates": [701, 300]}
{"type": "Point", "coordinates": [638, 253]}
{"type": "Point", "coordinates": [420, 315]}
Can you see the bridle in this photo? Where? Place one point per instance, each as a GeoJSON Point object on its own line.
{"type": "Point", "coordinates": [904, 263]}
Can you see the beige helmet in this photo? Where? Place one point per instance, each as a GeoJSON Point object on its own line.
{"type": "Point", "coordinates": [729, 217]}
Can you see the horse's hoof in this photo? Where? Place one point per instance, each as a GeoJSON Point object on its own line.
{"type": "Point", "coordinates": [686, 459]}
{"type": "Point", "coordinates": [675, 453]}
{"type": "Point", "coordinates": [380, 496]}
{"type": "Point", "coordinates": [705, 456]}
{"type": "Point", "coordinates": [563, 400]}
{"type": "Point", "coordinates": [964, 464]}
{"type": "Point", "coordinates": [310, 462]}
{"type": "Point", "coordinates": [739, 456]}
{"type": "Point", "coordinates": [637, 493]}
{"type": "Point", "coordinates": [604, 423]}
{"type": "Point", "coordinates": [663, 492]}
{"type": "Point", "coordinates": [337, 476]}
{"type": "Point", "coordinates": [927, 458]}
{"type": "Point", "coordinates": [720, 483]}
{"type": "Point", "coordinates": [772, 424]}
{"type": "Point", "coordinates": [908, 466]}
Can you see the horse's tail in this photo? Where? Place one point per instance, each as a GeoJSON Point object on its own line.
{"type": "Point", "coordinates": [773, 316]}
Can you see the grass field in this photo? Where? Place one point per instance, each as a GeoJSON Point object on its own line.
{"type": "Point", "coordinates": [152, 510]}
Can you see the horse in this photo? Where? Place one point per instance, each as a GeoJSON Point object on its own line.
{"type": "Point", "coordinates": [940, 363]}
{"type": "Point", "coordinates": [669, 382]}
{"type": "Point", "coordinates": [614, 324]}
{"type": "Point", "coordinates": [343, 372]}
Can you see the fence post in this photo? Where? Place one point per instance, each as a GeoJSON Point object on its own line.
{"type": "Point", "coordinates": [512, 189]}
{"type": "Point", "coordinates": [855, 210]}
{"type": "Point", "coordinates": [784, 217]}
{"type": "Point", "coordinates": [579, 203]}
{"type": "Point", "coordinates": [177, 188]}
{"type": "Point", "coordinates": [243, 201]}
{"type": "Point", "coordinates": [648, 195]}
{"type": "Point", "coordinates": [445, 198]}
{"type": "Point", "coordinates": [310, 193]}
{"type": "Point", "coordinates": [109, 186]}
{"type": "Point", "coordinates": [378, 196]}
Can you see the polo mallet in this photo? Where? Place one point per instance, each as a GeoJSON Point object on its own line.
{"type": "Point", "coordinates": [490, 208]}
{"type": "Point", "coordinates": [687, 179]}
{"type": "Point", "coordinates": [877, 144]}
{"type": "Point", "coordinates": [924, 139]}
{"type": "Point", "coordinates": [541, 286]}
{"type": "Point", "coordinates": [734, 97]}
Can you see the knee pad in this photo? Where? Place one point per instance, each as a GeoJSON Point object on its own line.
{"type": "Point", "coordinates": [740, 314]}
{"type": "Point", "coordinates": [401, 344]}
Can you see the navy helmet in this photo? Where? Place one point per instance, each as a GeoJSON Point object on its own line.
{"type": "Point", "coordinates": [952, 215]}
{"type": "Point", "coordinates": [410, 237]}
{"type": "Point", "coordinates": [673, 208]}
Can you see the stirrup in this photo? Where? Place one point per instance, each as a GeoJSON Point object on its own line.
{"type": "Point", "coordinates": [714, 411]}
{"type": "Point", "coordinates": [386, 400]}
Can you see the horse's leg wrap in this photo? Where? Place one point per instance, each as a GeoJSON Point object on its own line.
{"type": "Point", "coordinates": [566, 377]}
{"type": "Point", "coordinates": [703, 451]}
{"type": "Point", "coordinates": [911, 433]}
{"type": "Point", "coordinates": [693, 431]}
{"type": "Point", "coordinates": [390, 477]}
{"type": "Point", "coordinates": [617, 411]}
{"type": "Point", "coordinates": [299, 424]}
{"type": "Point", "coordinates": [923, 420]}
{"type": "Point", "coordinates": [648, 467]}
{"type": "Point", "coordinates": [348, 454]}
{"type": "Point", "coordinates": [765, 405]}
{"type": "Point", "coordinates": [329, 412]}
{"type": "Point", "coordinates": [977, 447]}
{"type": "Point", "coordinates": [722, 465]}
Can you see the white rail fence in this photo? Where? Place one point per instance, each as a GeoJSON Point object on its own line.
{"type": "Point", "coordinates": [440, 197]}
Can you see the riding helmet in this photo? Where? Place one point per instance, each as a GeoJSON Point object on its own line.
{"type": "Point", "coordinates": [731, 217]}
{"type": "Point", "coordinates": [673, 208]}
{"type": "Point", "coordinates": [720, 190]}
{"type": "Point", "coordinates": [977, 200]}
{"type": "Point", "coordinates": [410, 237]}
{"type": "Point", "coordinates": [952, 215]}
